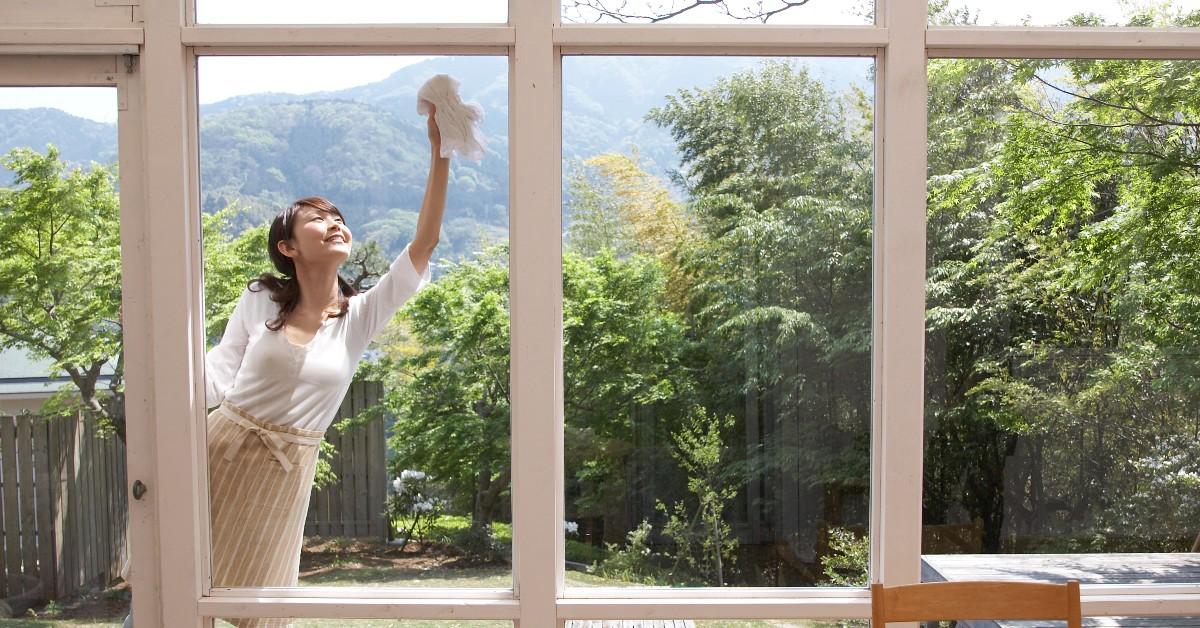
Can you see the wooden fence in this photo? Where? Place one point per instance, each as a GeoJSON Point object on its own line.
{"type": "Point", "coordinates": [62, 506]}
{"type": "Point", "coordinates": [353, 506]}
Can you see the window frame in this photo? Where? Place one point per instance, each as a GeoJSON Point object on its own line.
{"type": "Point", "coordinates": [160, 224]}
{"type": "Point", "coordinates": [107, 57]}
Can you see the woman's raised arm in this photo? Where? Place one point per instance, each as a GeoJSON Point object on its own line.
{"type": "Point", "coordinates": [429, 222]}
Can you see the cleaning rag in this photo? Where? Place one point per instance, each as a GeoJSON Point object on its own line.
{"type": "Point", "coordinates": [457, 121]}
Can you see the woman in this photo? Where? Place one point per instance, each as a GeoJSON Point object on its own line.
{"type": "Point", "coordinates": [279, 374]}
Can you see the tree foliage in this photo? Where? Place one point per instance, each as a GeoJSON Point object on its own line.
{"type": "Point", "coordinates": [60, 277]}
{"type": "Point", "coordinates": [1062, 318]}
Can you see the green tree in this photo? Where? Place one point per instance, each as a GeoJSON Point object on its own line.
{"type": "Point", "coordinates": [615, 205]}
{"type": "Point", "coordinates": [229, 264]}
{"type": "Point", "coordinates": [626, 383]}
{"type": "Point", "coordinates": [450, 389]}
{"type": "Point", "coordinates": [704, 541]}
{"type": "Point", "coordinates": [779, 176]}
{"type": "Point", "coordinates": [60, 281]}
{"type": "Point", "coordinates": [60, 277]}
{"type": "Point", "coordinates": [1062, 322]}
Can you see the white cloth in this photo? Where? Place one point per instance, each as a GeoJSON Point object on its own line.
{"type": "Point", "coordinates": [264, 373]}
{"type": "Point", "coordinates": [458, 122]}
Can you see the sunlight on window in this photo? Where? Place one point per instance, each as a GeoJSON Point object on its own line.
{"type": "Point", "coordinates": [350, 12]}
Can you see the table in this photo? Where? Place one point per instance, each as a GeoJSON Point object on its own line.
{"type": "Point", "coordinates": [1147, 568]}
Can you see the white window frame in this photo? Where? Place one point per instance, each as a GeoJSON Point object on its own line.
{"type": "Point", "coordinates": [107, 57]}
{"type": "Point", "coordinates": [160, 224]}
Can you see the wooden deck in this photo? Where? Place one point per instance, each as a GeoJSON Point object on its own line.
{"type": "Point", "coordinates": [1086, 568]}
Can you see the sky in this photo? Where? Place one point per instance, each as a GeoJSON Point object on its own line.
{"type": "Point", "coordinates": [224, 77]}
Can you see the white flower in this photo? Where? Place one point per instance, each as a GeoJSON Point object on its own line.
{"type": "Point", "coordinates": [411, 474]}
{"type": "Point", "coordinates": [572, 527]}
{"type": "Point", "coordinates": [398, 485]}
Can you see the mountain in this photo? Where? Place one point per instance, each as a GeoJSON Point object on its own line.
{"type": "Point", "coordinates": [79, 141]}
{"type": "Point", "coordinates": [365, 147]}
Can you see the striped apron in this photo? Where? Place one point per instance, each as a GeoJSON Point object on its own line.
{"type": "Point", "coordinates": [260, 477]}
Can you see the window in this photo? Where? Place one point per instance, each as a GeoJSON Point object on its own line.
{"type": "Point", "coordinates": [724, 12]}
{"type": "Point", "coordinates": [67, 445]}
{"type": "Point", "coordinates": [888, 48]}
{"type": "Point", "coordinates": [413, 479]}
{"type": "Point", "coordinates": [1109, 13]}
{"type": "Point", "coordinates": [1059, 352]}
{"type": "Point", "coordinates": [716, 304]}
{"type": "Point", "coordinates": [351, 12]}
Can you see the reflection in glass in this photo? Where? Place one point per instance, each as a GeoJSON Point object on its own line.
{"type": "Point", "coordinates": [716, 312]}
{"type": "Point", "coordinates": [719, 12]}
{"type": "Point", "coordinates": [63, 510]}
{"type": "Point", "coordinates": [1062, 330]}
{"type": "Point", "coordinates": [412, 477]}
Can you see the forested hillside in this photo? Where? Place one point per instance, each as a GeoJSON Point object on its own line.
{"type": "Point", "coordinates": [364, 147]}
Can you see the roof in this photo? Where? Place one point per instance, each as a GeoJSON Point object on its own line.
{"type": "Point", "coordinates": [22, 375]}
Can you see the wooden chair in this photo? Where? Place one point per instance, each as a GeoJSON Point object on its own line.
{"type": "Point", "coordinates": [932, 601]}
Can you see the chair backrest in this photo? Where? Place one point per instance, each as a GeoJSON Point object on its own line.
{"type": "Point", "coordinates": [976, 600]}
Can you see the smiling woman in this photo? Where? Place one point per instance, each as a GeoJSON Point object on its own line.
{"type": "Point", "coordinates": [277, 377]}
{"type": "Point", "coordinates": [360, 149]}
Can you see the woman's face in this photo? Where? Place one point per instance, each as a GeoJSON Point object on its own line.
{"type": "Point", "coordinates": [317, 237]}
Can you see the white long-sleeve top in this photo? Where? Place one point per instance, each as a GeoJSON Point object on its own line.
{"type": "Point", "coordinates": [267, 375]}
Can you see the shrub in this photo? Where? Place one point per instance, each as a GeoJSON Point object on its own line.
{"type": "Point", "coordinates": [846, 565]}
{"type": "Point", "coordinates": [586, 553]}
{"type": "Point", "coordinates": [480, 544]}
{"type": "Point", "coordinates": [411, 510]}
{"type": "Point", "coordinates": [633, 563]}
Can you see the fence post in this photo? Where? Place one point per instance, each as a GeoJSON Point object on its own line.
{"type": "Point", "coordinates": [47, 565]}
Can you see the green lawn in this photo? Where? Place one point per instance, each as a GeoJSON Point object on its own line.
{"type": "Point", "coordinates": [343, 567]}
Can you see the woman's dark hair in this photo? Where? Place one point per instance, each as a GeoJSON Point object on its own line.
{"type": "Point", "coordinates": [285, 290]}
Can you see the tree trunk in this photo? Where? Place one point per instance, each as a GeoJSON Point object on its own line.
{"type": "Point", "coordinates": [487, 497]}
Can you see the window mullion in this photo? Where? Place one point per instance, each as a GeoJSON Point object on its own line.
{"type": "Point", "coordinates": [177, 491]}
{"type": "Point", "coordinates": [535, 263]}
{"type": "Point", "coordinates": [899, 307]}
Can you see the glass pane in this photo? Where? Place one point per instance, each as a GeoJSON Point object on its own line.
{"type": "Point", "coordinates": [818, 12]}
{"type": "Point", "coordinates": [721, 623]}
{"type": "Point", "coordinates": [390, 623]}
{"type": "Point", "coordinates": [1062, 323]}
{"type": "Point", "coordinates": [63, 510]}
{"type": "Point", "coordinates": [717, 306]}
{"type": "Point", "coordinates": [1064, 13]}
{"type": "Point", "coordinates": [776, 623]}
{"type": "Point", "coordinates": [350, 12]}
{"type": "Point", "coordinates": [412, 476]}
